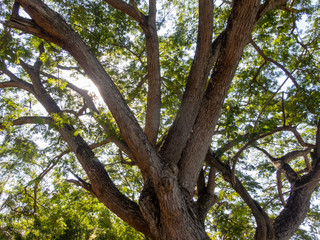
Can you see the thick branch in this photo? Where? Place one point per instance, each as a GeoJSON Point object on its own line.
{"type": "Point", "coordinates": [152, 10]}
{"type": "Point", "coordinates": [15, 81]}
{"type": "Point", "coordinates": [207, 197]}
{"type": "Point", "coordinates": [269, 5]}
{"type": "Point", "coordinates": [101, 184]}
{"type": "Point", "coordinates": [299, 138]}
{"type": "Point", "coordinates": [154, 77]}
{"type": "Point", "coordinates": [279, 188]}
{"type": "Point", "coordinates": [197, 80]}
{"type": "Point", "coordinates": [297, 206]}
{"type": "Point", "coordinates": [148, 25]}
{"type": "Point", "coordinates": [10, 84]}
{"type": "Point", "coordinates": [240, 25]}
{"type": "Point", "coordinates": [50, 26]}
{"type": "Point", "coordinates": [282, 163]}
{"type": "Point", "coordinates": [131, 11]}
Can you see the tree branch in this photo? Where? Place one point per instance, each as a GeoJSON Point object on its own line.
{"type": "Point", "coordinates": [80, 182]}
{"type": "Point", "coordinates": [207, 198]}
{"type": "Point", "coordinates": [239, 28]}
{"type": "Point", "coordinates": [154, 80]}
{"type": "Point", "coordinates": [299, 138]}
{"type": "Point", "coordinates": [195, 88]}
{"type": "Point", "coordinates": [264, 224]}
{"type": "Point", "coordinates": [101, 184]}
{"type": "Point", "coordinates": [254, 139]}
{"type": "Point", "coordinates": [265, 57]}
{"type": "Point", "coordinates": [29, 120]}
{"type": "Point", "coordinates": [269, 5]}
{"type": "Point", "coordinates": [282, 163]}
{"type": "Point", "coordinates": [152, 10]}
{"type": "Point", "coordinates": [90, 104]}
{"type": "Point", "coordinates": [131, 11]}
{"type": "Point", "coordinates": [279, 188]}
{"type": "Point", "coordinates": [50, 26]}
{"type": "Point", "coordinates": [14, 79]}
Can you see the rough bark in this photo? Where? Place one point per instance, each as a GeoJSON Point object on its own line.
{"type": "Point", "coordinates": [166, 208]}
{"type": "Point", "coordinates": [238, 31]}
{"type": "Point", "coordinates": [148, 25]}
{"type": "Point", "coordinates": [197, 79]}
{"type": "Point", "coordinates": [100, 183]}
{"type": "Point", "coordinates": [298, 203]}
{"type": "Point", "coordinates": [50, 26]}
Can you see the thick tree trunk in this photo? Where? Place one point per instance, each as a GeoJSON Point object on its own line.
{"type": "Point", "coordinates": [185, 223]}
{"type": "Point", "coordinates": [166, 208]}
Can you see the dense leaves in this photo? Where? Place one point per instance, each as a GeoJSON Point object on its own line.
{"type": "Point", "coordinates": [271, 109]}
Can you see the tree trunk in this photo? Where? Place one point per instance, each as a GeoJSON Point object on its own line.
{"type": "Point", "coordinates": [166, 208]}
{"type": "Point", "coordinates": [182, 223]}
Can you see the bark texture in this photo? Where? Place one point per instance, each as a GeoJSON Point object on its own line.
{"type": "Point", "coordinates": [166, 208]}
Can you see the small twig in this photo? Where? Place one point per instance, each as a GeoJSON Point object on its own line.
{"type": "Point", "coordinates": [80, 182]}
{"type": "Point", "coordinates": [265, 57]}
{"type": "Point", "coordinates": [266, 105]}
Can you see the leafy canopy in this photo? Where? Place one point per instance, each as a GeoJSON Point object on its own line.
{"type": "Point", "coordinates": [275, 90]}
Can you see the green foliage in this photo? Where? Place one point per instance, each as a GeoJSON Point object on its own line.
{"type": "Point", "coordinates": [35, 205]}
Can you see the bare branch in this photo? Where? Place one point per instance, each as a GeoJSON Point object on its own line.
{"type": "Point", "coordinates": [54, 28]}
{"type": "Point", "coordinates": [211, 180]}
{"type": "Point", "coordinates": [307, 162]}
{"type": "Point", "coordinates": [9, 84]}
{"type": "Point", "coordinates": [294, 154]}
{"type": "Point", "coordinates": [264, 224]}
{"type": "Point", "coordinates": [90, 104]}
{"type": "Point", "coordinates": [131, 11]}
{"type": "Point", "coordinates": [19, 82]}
{"type": "Point", "coordinates": [154, 85]}
{"type": "Point", "coordinates": [100, 181]}
{"type": "Point", "coordinates": [148, 26]}
{"type": "Point", "coordinates": [29, 120]}
{"type": "Point", "coordinates": [265, 57]}
{"type": "Point", "coordinates": [282, 163]}
{"type": "Point", "coordinates": [251, 141]}
{"type": "Point", "coordinates": [269, 5]}
{"type": "Point", "coordinates": [134, 5]}
{"type": "Point", "coordinates": [299, 138]}
{"type": "Point", "coordinates": [80, 182]}
{"type": "Point", "coordinates": [201, 183]}
{"type": "Point", "coordinates": [279, 188]}
{"type": "Point", "coordinates": [206, 196]}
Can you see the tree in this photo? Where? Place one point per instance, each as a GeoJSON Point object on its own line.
{"type": "Point", "coordinates": [195, 96]}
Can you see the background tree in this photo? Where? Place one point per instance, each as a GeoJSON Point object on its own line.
{"type": "Point", "coordinates": [206, 124]}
